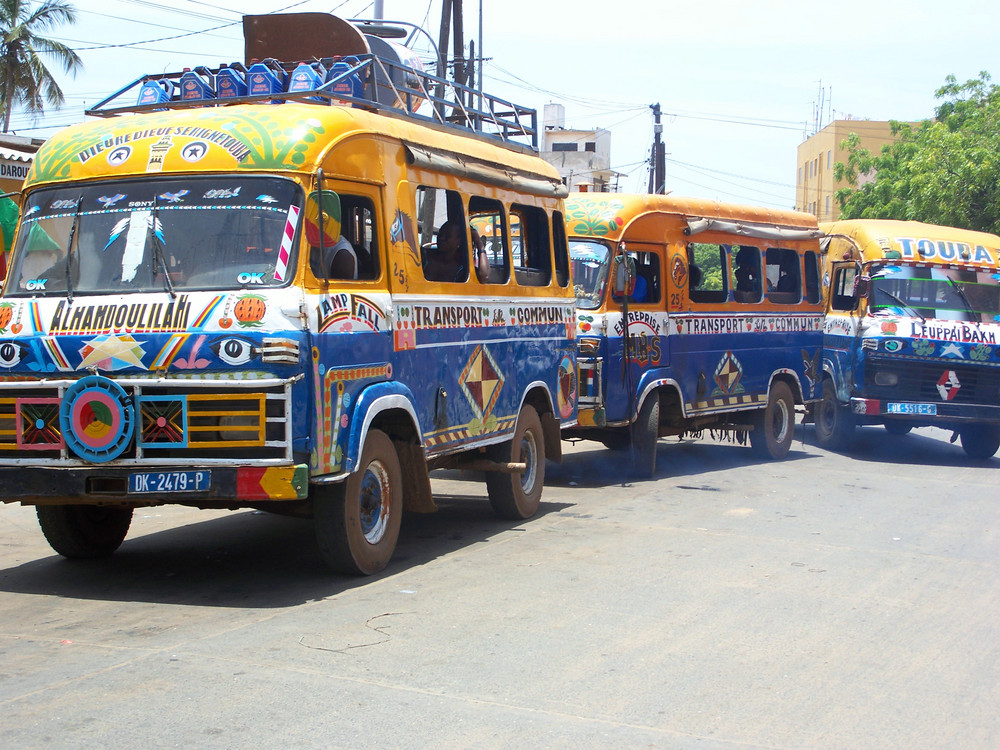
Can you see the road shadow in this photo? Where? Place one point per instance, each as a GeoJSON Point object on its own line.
{"type": "Point", "coordinates": [251, 559]}
{"type": "Point", "coordinates": [927, 446]}
{"type": "Point", "coordinates": [593, 465]}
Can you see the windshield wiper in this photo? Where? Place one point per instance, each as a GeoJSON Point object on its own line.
{"type": "Point", "coordinates": [69, 249]}
{"type": "Point", "coordinates": [159, 261]}
{"type": "Point", "coordinates": [902, 302]}
{"type": "Point", "coordinates": [965, 300]}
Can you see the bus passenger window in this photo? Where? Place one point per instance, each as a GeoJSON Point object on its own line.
{"type": "Point", "coordinates": [529, 229]}
{"type": "Point", "coordinates": [812, 276]}
{"type": "Point", "coordinates": [444, 236]}
{"type": "Point", "coordinates": [562, 249]}
{"type": "Point", "coordinates": [746, 274]}
{"type": "Point", "coordinates": [784, 284]}
{"type": "Point", "coordinates": [487, 219]}
{"type": "Point", "coordinates": [706, 282]}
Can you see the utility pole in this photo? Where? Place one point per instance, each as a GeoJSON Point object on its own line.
{"type": "Point", "coordinates": [658, 156]}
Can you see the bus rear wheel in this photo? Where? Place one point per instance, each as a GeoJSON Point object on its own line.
{"type": "Point", "coordinates": [84, 531]}
{"type": "Point", "coordinates": [834, 422]}
{"type": "Point", "coordinates": [516, 496]}
{"type": "Point", "coordinates": [774, 426]}
{"type": "Point", "coordinates": [357, 521]}
{"type": "Point", "coordinates": [980, 441]}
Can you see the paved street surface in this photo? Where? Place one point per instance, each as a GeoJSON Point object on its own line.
{"type": "Point", "coordinates": [826, 601]}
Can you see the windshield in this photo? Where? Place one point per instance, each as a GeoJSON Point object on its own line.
{"type": "Point", "coordinates": [941, 293]}
{"type": "Point", "coordinates": [590, 271]}
{"type": "Point", "coordinates": [184, 233]}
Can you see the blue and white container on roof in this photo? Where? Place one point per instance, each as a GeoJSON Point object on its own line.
{"type": "Point", "coordinates": [230, 81]}
{"type": "Point", "coordinates": [351, 85]}
{"type": "Point", "coordinates": [307, 77]}
{"type": "Point", "coordinates": [156, 92]}
{"type": "Point", "coordinates": [265, 77]}
{"type": "Point", "coordinates": [196, 84]}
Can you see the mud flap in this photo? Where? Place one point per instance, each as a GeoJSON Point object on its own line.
{"type": "Point", "coordinates": [551, 431]}
{"type": "Point", "coordinates": [417, 496]}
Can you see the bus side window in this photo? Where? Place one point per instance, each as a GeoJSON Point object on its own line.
{"type": "Point", "coordinates": [746, 274]}
{"type": "Point", "coordinates": [487, 218]}
{"type": "Point", "coordinates": [706, 281]}
{"type": "Point", "coordinates": [561, 249]}
{"type": "Point", "coordinates": [842, 289]}
{"type": "Point", "coordinates": [444, 236]}
{"type": "Point", "coordinates": [784, 282]}
{"type": "Point", "coordinates": [530, 246]}
{"type": "Point", "coordinates": [812, 277]}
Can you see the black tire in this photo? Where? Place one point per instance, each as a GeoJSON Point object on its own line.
{"type": "Point", "coordinates": [84, 531]}
{"type": "Point", "coordinates": [617, 441]}
{"type": "Point", "coordinates": [645, 435]}
{"type": "Point", "coordinates": [980, 441]}
{"type": "Point", "coordinates": [774, 426]}
{"type": "Point", "coordinates": [894, 427]}
{"type": "Point", "coordinates": [358, 520]}
{"type": "Point", "coordinates": [516, 496]}
{"type": "Point", "coordinates": [834, 421]}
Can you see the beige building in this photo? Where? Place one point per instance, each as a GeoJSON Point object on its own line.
{"type": "Point", "coordinates": [582, 157]}
{"type": "Point", "coordinates": [814, 184]}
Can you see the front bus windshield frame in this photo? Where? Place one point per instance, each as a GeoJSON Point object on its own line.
{"type": "Point", "coordinates": [207, 232]}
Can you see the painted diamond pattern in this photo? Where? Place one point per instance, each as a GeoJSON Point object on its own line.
{"type": "Point", "coordinates": [481, 381]}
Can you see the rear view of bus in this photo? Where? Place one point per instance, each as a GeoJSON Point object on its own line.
{"type": "Point", "coordinates": [693, 315]}
{"type": "Point", "coordinates": [912, 329]}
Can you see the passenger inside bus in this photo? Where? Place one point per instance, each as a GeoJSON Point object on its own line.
{"type": "Point", "coordinates": [747, 274]}
{"type": "Point", "coordinates": [449, 260]}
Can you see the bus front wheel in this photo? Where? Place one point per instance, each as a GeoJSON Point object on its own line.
{"type": "Point", "coordinates": [980, 441]}
{"type": "Point", "coordinates": [357, 521]}
{"type": "Point", "coordinates": [516, 496]}
{"type": "Point", "coordinates": [645, 435]}
{"type": "Point", "coordinates": [84, 531]}
{"type": "Point", "coordinates": [834, 422]}
{"type": "Point", "coordinates": [774, 426]}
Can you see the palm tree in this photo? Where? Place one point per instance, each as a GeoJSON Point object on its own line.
{"type": "Point", "coordinates": [24, 79]}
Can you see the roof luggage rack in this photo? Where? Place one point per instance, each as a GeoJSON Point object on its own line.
{"type": "Point", "coordinates": [386, 87]}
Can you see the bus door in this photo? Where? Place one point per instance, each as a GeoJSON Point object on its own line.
{"type": "Point", "coordinates": [643, 333]}
{"type": "Point", "coordinates": [352, 339]}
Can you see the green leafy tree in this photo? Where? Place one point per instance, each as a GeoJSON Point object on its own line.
{"type": "Point", "coordinates": [24, 78]}
{"type": "Point", "coordinates": [943, 171]}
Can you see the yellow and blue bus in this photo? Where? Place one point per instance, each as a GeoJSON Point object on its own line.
{"type": "Point", "coordinates": [693, 315]}
{"type": "Point", "coordinates": [252, 305]}
{"type": "Point", "coordinates": [912, 330]}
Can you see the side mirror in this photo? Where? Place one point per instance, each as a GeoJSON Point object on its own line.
{"type": "Point", "coordinates": [624, 275]}
{"type": "Point", "coordinates": [862, 286]}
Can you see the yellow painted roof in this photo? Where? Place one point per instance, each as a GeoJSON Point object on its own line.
{"type": "Point", "coordinates": [608, 214]}
{"type": "Point", "coordinates": [918, 241]}
{"type": "Point", "coordinates": [286, 137]}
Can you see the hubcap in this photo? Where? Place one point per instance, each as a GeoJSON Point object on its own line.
{"type": "Point", "coordinates": [374, 502]}
{"type": "Point", "coordinates": [528, 452]}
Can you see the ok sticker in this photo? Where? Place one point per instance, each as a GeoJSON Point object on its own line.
{"type": "Point", "coordinates": [250, 277]}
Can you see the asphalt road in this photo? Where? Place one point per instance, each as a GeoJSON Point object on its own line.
{"type": "Point", "coordinates": [825, 601]}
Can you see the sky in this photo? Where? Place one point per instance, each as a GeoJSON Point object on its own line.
{"type": "Point", "coordinates": [740, 84]}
